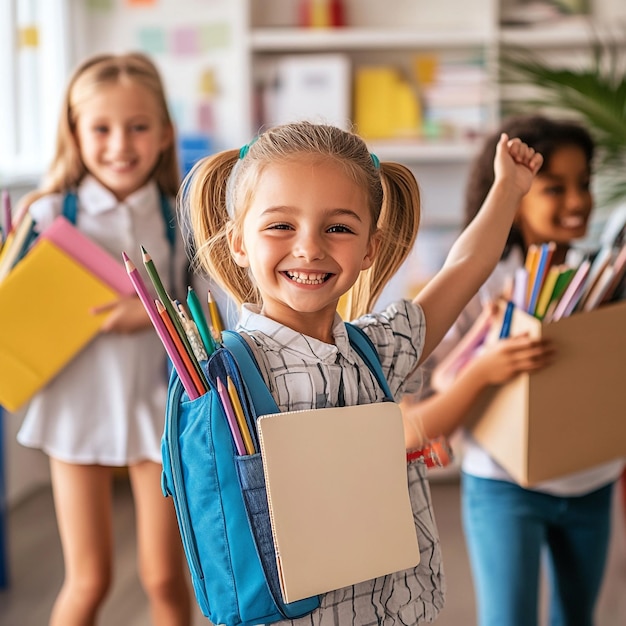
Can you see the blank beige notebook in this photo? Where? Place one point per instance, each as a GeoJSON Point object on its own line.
{"type": "Point", "coordinates": [338, 496]}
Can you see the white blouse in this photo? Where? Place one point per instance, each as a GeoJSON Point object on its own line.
{"type": "Point", "coordinates": [107, 405]}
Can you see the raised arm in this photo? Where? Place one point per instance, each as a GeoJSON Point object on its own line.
{"type": "Point", "coordinates": [478, 249]}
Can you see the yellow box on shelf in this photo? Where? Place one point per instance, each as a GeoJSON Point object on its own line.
{"type": "Point", "coordinates": [385, 104]}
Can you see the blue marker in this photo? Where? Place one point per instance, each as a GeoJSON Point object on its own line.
{"type": "Point", "coordinates": [505, 331]}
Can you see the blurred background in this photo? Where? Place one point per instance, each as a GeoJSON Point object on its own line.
{"type": "Point", "coordinates": [421, 81]}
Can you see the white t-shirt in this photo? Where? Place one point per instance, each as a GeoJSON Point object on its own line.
{"type": "Point", "coordinates": [475, 459]}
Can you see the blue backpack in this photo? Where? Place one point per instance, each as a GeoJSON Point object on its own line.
{"type": "Point", "coordinates": [220, 497]}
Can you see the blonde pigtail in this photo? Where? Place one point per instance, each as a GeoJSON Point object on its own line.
{"type": "Point", "coordinates": [203, 211]}
{"type": "Point", "coordinates": [398, 225]}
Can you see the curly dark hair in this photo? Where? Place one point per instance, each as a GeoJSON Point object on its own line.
{"type": "Point", "coordinates": [545, 135]}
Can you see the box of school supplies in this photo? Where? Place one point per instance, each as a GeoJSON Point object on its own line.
{"type": "Point", "coordinates": [569, 416]}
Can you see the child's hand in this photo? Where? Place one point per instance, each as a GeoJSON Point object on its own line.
{"type": "Point", "coordinates": [126, 315]}
{"type": "Point", "coordinates": [501, 361]}
{"type": "Point", "coordinates": [516, 162]}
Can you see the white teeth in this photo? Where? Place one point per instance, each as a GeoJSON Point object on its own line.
{"type": "Point", "coordinates": [306, 278]}
{"type": "Point", "coordinates": [572, 222]}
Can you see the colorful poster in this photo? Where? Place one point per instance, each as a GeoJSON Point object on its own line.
{"type": "Point", "coordinates": [214, 36]}
{"type": "Point", "coordinates": [29, 37]}
{"type": "Point", "coordinates": [185, 41]}
{"type": "Point", "coordinates": [152, 40]}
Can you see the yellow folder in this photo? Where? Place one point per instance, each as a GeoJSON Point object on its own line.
{"type": "Point", "coordinates": [338, 496]}
{"type": "Point", "coordinates": [45, 320]}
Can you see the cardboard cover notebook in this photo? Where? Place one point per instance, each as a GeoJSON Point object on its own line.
{"type": "Point", "coordinates": [569, 416]}
{"type": "Point", "coordinates": [338, 496]}
{"type": "Point", "coordinates": [45, 319]}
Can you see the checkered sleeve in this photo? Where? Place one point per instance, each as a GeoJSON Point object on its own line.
{"type": "Point", "coordinates": [398, 334]}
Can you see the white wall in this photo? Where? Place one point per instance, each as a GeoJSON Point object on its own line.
{"type": "Point", "coordinates": [25, 469]}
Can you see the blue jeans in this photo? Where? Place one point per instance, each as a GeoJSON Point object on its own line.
{"type": "Point", "coordinates": [507, 528]}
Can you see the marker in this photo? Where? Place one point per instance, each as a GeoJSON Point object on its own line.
{"type": "Point", "coordinates": [195, 308]}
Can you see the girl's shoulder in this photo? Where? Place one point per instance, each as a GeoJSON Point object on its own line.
{"type": "Point", "coordinates": [397, 316]}
{"type": "Point", "coordinates": [397, 332]}
{"type": "Point", "coordinates": [46, 208]}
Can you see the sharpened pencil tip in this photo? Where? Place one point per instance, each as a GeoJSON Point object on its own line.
{"type": "Point", "coordinates": [130, 266]}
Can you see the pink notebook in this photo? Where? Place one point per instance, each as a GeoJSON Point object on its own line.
{"type": "Point", "coordinates": [89, 254]}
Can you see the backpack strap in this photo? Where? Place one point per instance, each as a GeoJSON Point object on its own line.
{"type": "Point", "coordinates": [70, 213]}
{"type": "Point", "coordinates": [264, 403]}
{"type": "Point", "coordinates": [364, 347]}
{"type": "Point", "coordinates": [70, 207]}
{"type": "Point", "coordinates": [168, 220]}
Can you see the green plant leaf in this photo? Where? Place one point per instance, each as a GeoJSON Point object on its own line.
{"type": "Point", "coordinates": [595, 94]}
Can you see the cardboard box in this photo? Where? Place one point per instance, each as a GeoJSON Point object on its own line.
{"type": "Point", "coordinates": [568, 417]}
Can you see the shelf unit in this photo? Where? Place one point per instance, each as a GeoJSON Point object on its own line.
{"type": "Point", "coordinates": [377, 35]}
{"type": "Point", "coordinates": [359, 38]}
{"type": "Point", "coordinates": [396, 30]}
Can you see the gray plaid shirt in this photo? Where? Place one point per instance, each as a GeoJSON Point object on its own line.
{"type": "Point", "coordinates": [304, 373]}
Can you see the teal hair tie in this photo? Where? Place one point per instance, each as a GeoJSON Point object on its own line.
{"type": "Point", "coordinates": [375, 160]}
{"type": "Point", "coordinates": [245, 149]}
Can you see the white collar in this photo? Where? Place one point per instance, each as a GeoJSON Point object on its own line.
{"type": "Point", "coordinates": [94, 197]}
{"type": "Point", "coordinates": [279, 337]}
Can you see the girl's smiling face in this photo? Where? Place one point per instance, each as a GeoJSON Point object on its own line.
{"type": "Point", "coordinates": [306, 236]}
{"type": "Point", "coordinates": [558, 206]}
{"type": "Point", "coordinates": [121, 135]}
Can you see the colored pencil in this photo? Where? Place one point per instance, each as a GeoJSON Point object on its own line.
{"type": "Point", "coordinates": [619, 267]}
{"type": "Point", "coordinates": [599, 289]}
{"type": "Point", "coordinates": [572, 293]}
{"type": "Point", "coordinates": [13, 245]}
{"type": "Point", "coordinates": [169, 305]}
{"type": "Point", "coordinates": [546, 251]}
{"type": "Point", "coordinates": [201, 386]}
{"type": "Point", "coordinates": [197, 314]}
{"type": "Point", "coordinates": [239, 414]}
{"type": "Point", "coordinates": [547, 290]}
{"type": "Point", "coordinates": [603, 258]}
{"type": "Point", "coordinates": [6, 207]}
{"type": "Point", "coordinates": [216, 320]}
{"type": "Point", "coordinates": [532, 258]}
{"type": "Point", "coordinates": [159, 326]}
{"type": "Point", "coordinates": [231, 418]}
